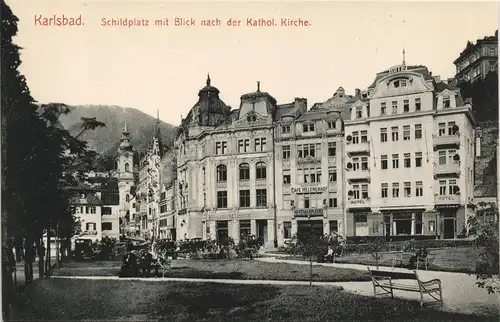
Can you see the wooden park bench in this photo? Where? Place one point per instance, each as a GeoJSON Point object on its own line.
{"type": "Point", "coordinates": [387, 281]}
{"type": "Point", "coordinates": [401, 256]}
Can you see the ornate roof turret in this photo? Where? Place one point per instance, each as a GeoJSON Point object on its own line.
{"type": "Point", "coordinates": [125, 144]}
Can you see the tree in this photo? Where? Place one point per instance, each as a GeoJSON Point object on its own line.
{"type": "Point", "coordinates": [376, 247]}
{"type": "Point", "coordinates": [484, 94]}
{"type": "Point", "coordinates": [485, 232]}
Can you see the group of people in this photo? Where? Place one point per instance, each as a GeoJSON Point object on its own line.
{"type": "Point", "coordinates": [140, 263]}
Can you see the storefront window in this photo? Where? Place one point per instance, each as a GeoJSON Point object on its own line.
{"type": "Point", "coordinates": [287, 230]}
{"type": "Point", "coordinates": [245, 229]}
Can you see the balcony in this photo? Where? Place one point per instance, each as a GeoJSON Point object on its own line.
{"type": "Point", "coordinates": [447, 200]}
{"type": "Point", "coordinates": [358, 175]}
{"type": "Point", "coordinates": [309, 160]}
{"type": "Point", "coordinates": [89, 233]}
{"type": "Point", "coordinates": [452, 141]}
{"type": "Point", "coordinates": [447, 169]}
{"type": "Point", "coordinates": [358, 203]}
{"type": "Point", "coordinates": [357, 148]}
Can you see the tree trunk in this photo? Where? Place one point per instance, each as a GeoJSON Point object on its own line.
{"type": "Point", "coordinates": [310, 270]}
{"type": "Point", "coordinates": [41, 254]}
{"type": "Point", "coordinates": [58, 250]}
{"type": "Point", "coordinates": [19, 254]}
{"type": "Point", "coordinates": [47, 260]}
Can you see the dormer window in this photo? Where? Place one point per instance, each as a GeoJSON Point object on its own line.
{"type": "Point", "coordinates": [359, 113]}
{"type": "Point", "coordinates": [446, 102]}
{"type": "Point", "coordinates": [331, 124]}
{"type": "Point", "coordinates": [403, 83]}
{"type": "Point", "coordinates": [308, 127]}
{"type": "Point", "coordinates": [285, 129]}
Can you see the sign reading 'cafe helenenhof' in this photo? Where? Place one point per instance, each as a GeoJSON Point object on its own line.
{"type": "Point", "coordinates": [308, 189]}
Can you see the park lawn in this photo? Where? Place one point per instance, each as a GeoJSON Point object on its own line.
{"type": "Point", "coordinates": [225, 269]}
{"type": "Point", "coordinates": [122, 300]}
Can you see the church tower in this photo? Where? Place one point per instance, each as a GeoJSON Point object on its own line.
{"type": "Point", "coordinates": [125, 164]}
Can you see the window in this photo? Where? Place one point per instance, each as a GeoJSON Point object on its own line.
{"type": "Point", "coordinates": [451, 186]}
{"type": "Point", "coordinates": [309, 175]}
{"type": "Point", "coordinates": [446, 102]}
{"type": "Point", "coordinates": [106, 211]}
{"type": "Point", "coordinates": [419, 189]}
{"type": "Point", "coordinates": [442, 157]}
{"type": "Point", "coordinates": [364, 136]}
{"type": "Point", "coordinates": [383, 134]}
{"type": "Point", "coordinates": [432, 226]}
{"type": "Point", "coordinates": [407, 189]}
{"type": "Point", "coordinates": [244, 198]}
{"type": "Point", "coordinates": [221, 199]}
{"type": "Point", "coordinates": [127, 197]}
{"type": "Point", "coordinates": [451, 154]}
{"type": "Point", "coordinates": [331, 124]}
{"type": "Point", "coordinates": [395, 161]}
{"type": "Point", "coordinates": [407, 160]}
{"type": "Point", "coordinates": [364, 163]}
{"type": "Point", "coordinates": [221, 173]}
{"type": "Point", "coordinates": [261, 170]}
{"type": "Point", "coordinates": [492, 51]}
{"type": "Point", "coordinates": [308, 127]}
{"type": "Point", "coordinates": [332, 149]}
{"type": "Point", "coordinates": [395, 133]}
{"type": "Point", "coordinates": [406, 106]}
{"type": "Point", "coordinates": [355, 137]}
{"type": "Point", "coordinates": [451, 130]}
{"type": "Point", "coordinates": [107, 226]}
{"type": "Point", "coordinates": [127, 167]}
{"type": "Point", "coordinates": [383, 108]}
{"type": "Point", "coordinates": [307, 203]}
{"type": "Point", "coordinates": [244, 171]}
{"type": "Point", "coordinates": [260, 144]}
{"type": "Point", "coordinates": [384, 190]}
{"type": "Point", "coordinates": [395, 190]}
{"type": "Point", "coordinates": [287, 229]}
{"type": "Point", "coordinates": [286, 152]}
{"type": "Point", "coordinates": [418, 159]}
{"type": "Point", "coordinates": [220, 147]}
{"type": "Point", "coordinates": [355, 191]}
{"type": "Point", "coordinates": [285, 129]}
{"type": "Point", "coordinates": [418, 104]}
{"type": "Point", "coordinates": [418, 224]}
{"type": "Point", "coordinates": [243, 145]}
{"type": "Point", "coordinates": [364, 191]}
{"type": "Point", "coordinates": [394, 107]}
{"type": "Point", "coordinates": [261, 197]}
{"type": "Point", "coordinates": [383, 160]}
{"type": "Point", "coordinates": [441, 129]}
{"type": "Point", "coordinates": [332, 202]}
{"type": "Point", "coordinates": [359, 112]}
{"type": "Point", "coordinates": [418, 131]}
{"type": "Point", "coordinates": [442, 187]}
{"type": "Point", "coordinates": [332, 175]}
{"type": "Point", "coordinates": [355, 164]}
{"type": "Point", "coordinates": [90, 226]}
{"type": "Point", "coordinates": [92, 210]}
{"type": "Point", "coordinates": [406, 133]}
{"type": "Point", "coordinates": [287, 179]}
{"type": "Point", "coordinates": [308, 150]}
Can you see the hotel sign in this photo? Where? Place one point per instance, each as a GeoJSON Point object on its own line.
{"type": "Point", "coordinates": [310, 212]}
{"type": "Point", "coordinates": [446, 198]}
{"type": "Point", "coordinates": [309, 189]}
{"type": "Point", "coordinates": [397, 69]}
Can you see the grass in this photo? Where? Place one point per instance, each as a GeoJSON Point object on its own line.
{"type": "Point", "coordinates": [121, 300]}
{"type": "Point", "coordinates": [225, 269]}
{"type": "Point", "coordinates": [453, 259]}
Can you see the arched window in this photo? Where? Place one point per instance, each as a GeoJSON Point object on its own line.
{"type": "Point", "coordinates": [127, 167]}
{"type": "Point", "coordinates": [261, 170]}
{"type": "Point", "coordinates": [244, 171]}
{"type": "Point", "coordinates": [127, 198]}
{"type": "Point", "coordinates": [221, 173]}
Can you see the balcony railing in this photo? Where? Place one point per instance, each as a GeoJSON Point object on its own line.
{"type": "Point", "coordinates": [446, 141]}
{"type": "Point", "coordinates": [361, 147]}
{"type": "Point", "coordinates": [358, 203]}
{"type": "Point", "coordinates": [359, 174]}
{"type": "Point", "coordinates": [445, 169]}
{"type": "Point", "coordinates": [447, 200]}
{"type": "Point", "coordinates": [89, 233]}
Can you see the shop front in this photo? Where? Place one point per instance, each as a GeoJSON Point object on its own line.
{"type": "Point", "coordinates": [451, 220]}
{"type": "Point", "coordinates": [310, 223]}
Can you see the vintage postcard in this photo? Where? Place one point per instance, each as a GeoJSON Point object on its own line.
{"type": "Point", "coordinates": [249, 160]}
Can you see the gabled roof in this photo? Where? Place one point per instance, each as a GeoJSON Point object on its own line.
{"type": "Point", "coordinates": [90, 199]}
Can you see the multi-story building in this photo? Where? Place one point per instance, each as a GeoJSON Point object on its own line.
{"type": "Point", "coordinates": [167, 212]}
{"type": "Point", "coordinates": [225, 168]}
{"type": "Point", "coordinates": [410, 156]}
{"type": "Point", "coordinates": [478, 59]}
{"type": "Point", "coordinates": [149, 187]}
{"type": "Point", "coordinates": [308, 161]}
{"type": "Point", "coordinates": [86, 207]}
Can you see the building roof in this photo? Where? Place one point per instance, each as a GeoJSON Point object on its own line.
{"type": "Point", "coordinates": [470, 47]}
{"type": "Point", "coordinates": [420, 69]}
{"type": "Point", "coordinates": [90, 199]}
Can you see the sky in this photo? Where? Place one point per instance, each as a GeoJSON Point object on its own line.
{"type": "Point", "coordinates": [163, 68]}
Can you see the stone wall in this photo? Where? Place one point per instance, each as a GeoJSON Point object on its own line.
{"type": "Point", "coordinates": [485, 164]}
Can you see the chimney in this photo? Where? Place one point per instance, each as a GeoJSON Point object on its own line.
{"type": "Point", "coordinates": [437, 79]}
{"type": "Point", "coordinates": [357, 91]}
